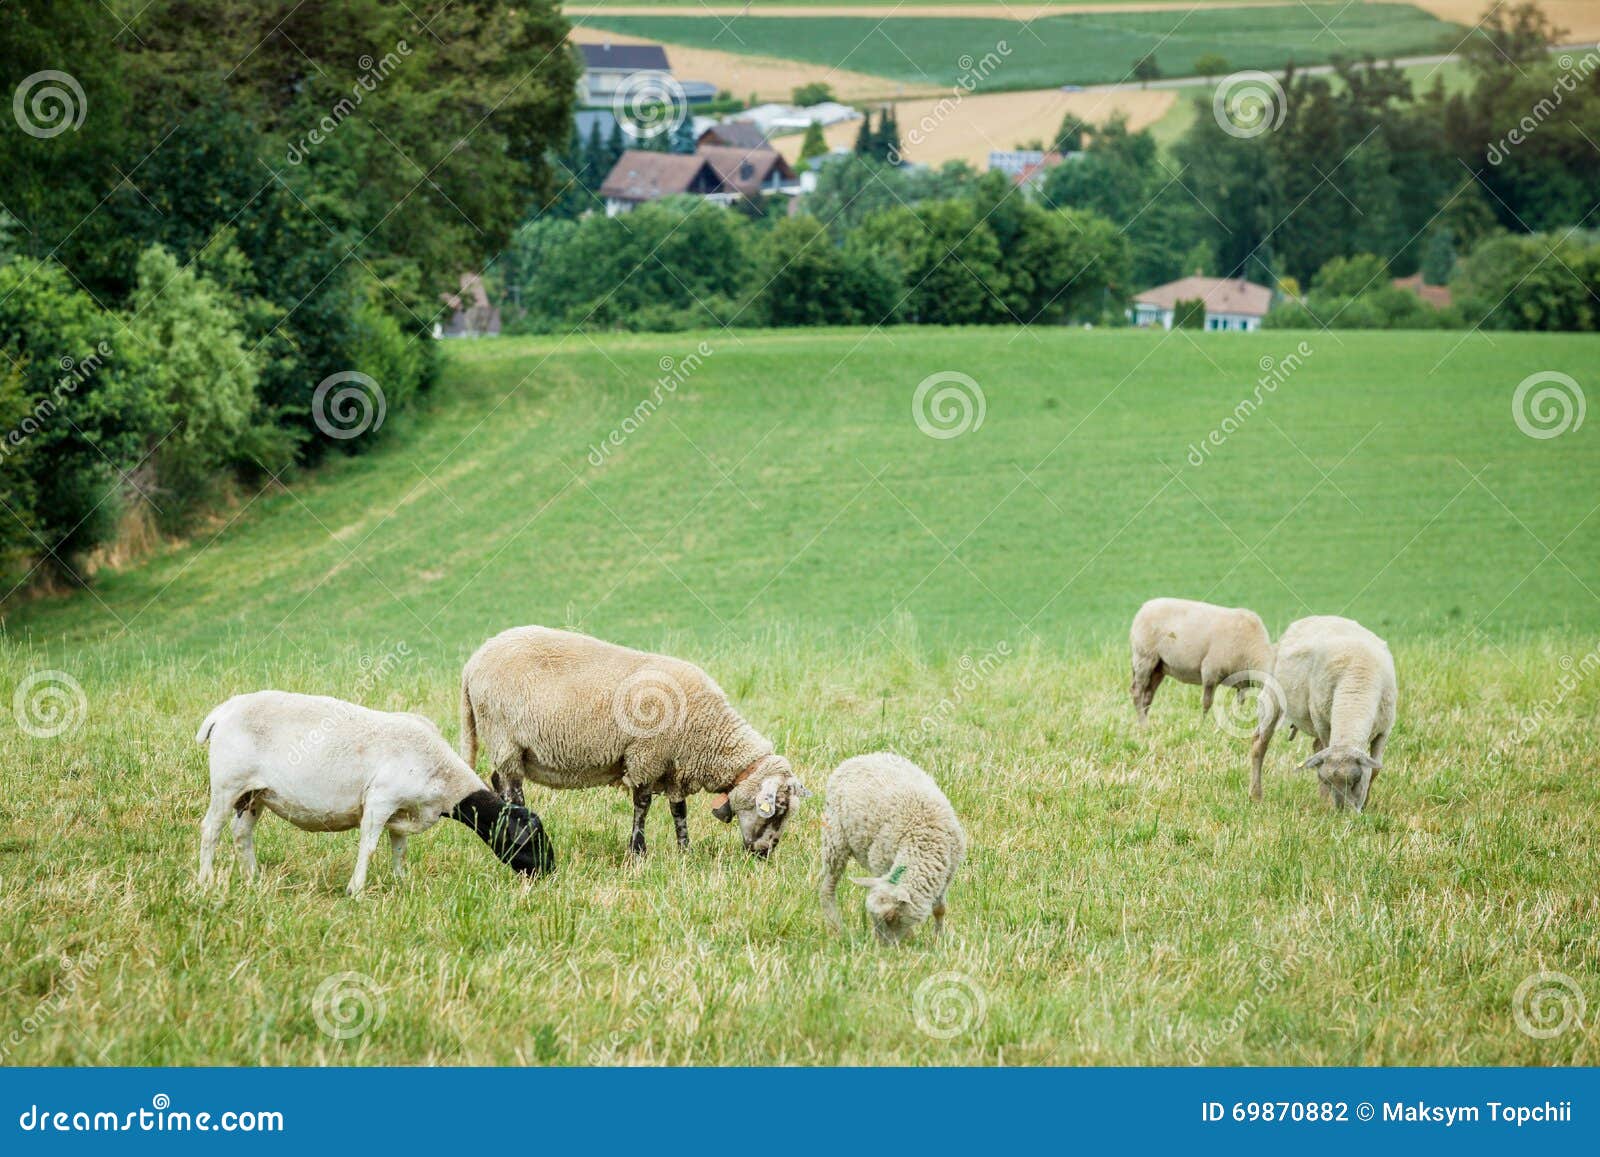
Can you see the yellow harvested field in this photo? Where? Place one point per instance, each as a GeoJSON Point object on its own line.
{"type": "Point", "coordinates": [1580, 18]}
{"type": "Point", "coordinates": [935, 130]}
{"type": "Point", "coordinates": [769, 79]}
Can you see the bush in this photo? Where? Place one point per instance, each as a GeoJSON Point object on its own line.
{"type": "Point", "coordinates": [808, 279]}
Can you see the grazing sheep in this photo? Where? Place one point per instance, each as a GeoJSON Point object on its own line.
{"type": "Point", "coordinates": [569, 711]}
{"type": "Point", "coordinates": [1335, 681]}
{"type": "Point", "coordinates": [887, 813]}
{"type": "Point", "coordinates": [326, 765]}
{"type": "Point", "coordinates": [1196, 643]}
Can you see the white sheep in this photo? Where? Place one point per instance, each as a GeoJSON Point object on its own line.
{"type": "Point", "coordinates": [1196, 642]}
{"type": "Point", "coordinates": [326, 765]}
{"type": "Point", "coordinates": [1335, 681]}
{"type": "Point", "coordinates": [569, 711]}
{"type": "Point", "coordinates": [889, 814]}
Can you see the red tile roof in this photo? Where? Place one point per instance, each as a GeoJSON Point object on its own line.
{"type": "Point", "coordinates": [1221, 295]}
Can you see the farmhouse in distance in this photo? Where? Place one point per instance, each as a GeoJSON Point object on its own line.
{"type": "Point", "coordinates": [1229, 302]}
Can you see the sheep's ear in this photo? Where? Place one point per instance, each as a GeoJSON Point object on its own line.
{"type": "Point", "coordinates": [1315, 760]}
{"type": "Point", "coordinates": [1368, 762]}
{"type": "Point", "coordinates": [767, 799]}
{"type": "Point", "coordinates": [866, 881]}
{"type": "Point", "coordinates": [798, 790]}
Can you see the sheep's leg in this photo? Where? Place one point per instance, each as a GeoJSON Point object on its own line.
{"type": "Point", "coordinates": [244, 833]}
{"type": "Point", "coordinates": [938, 916]}
{"type": "Point", "coordinates": [641, 808]}
{"type": "Point", "coordinates": [210, 830]}
{"type": "Point", "coordinates": [1266, 724]}
{"type": "Point", "coordinates": [372, 824]}
{"type": "Point", "coordinates": [835, 858]}
{"type": "Point", "coordinates": [397, 850]}
{"type": "Point", "coordinates": [680, 821]}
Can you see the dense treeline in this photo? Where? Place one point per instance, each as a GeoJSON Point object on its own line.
{"type": "Point", "coordinates": [1353, 179]}
{"type": "Point", "coordinates": [213, 210]}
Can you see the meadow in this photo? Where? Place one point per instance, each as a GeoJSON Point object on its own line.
{"type": "Point", "coordinates": [953, 581]}
{"type": "Point", "coordinates": [1080, 48]}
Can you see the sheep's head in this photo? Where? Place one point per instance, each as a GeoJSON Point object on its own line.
{"type": "Point", "coordinates": [762, 804]}
{"type": "Point", "coordinates": [889, 906]}
{"type": "Point", "coordinates": [1345, 774]}
{"type": "Point", "coordinates": [515, 834]}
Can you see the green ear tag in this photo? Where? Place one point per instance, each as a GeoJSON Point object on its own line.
{"type": "Point", "coordinates": [894, 876]}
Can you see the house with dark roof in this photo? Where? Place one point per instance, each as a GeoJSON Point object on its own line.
{"type": "Point", "coordinates": [717, 173]}
{"type": "Point", "coordinates": [641, 175]}
{"type": "Point", "coordinates": [750, 172]}
{"type": "Point", "coordinates": [607, 67]}
{"type": "Point", "coordinates": [734, 135]}
{"type": "Point", "coordinates": [1230, 302]}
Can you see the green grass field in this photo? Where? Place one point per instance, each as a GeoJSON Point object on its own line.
{"type": "Point", "coordinates": [1082, 48]}
{"type": "Point", "coordinates": [856, 584]}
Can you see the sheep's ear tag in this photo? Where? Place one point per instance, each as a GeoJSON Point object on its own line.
{"type": "Point", "coordinates": [765, 808]}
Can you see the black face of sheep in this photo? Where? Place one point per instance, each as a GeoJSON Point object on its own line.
{"type": "Point", "coordinates": [1345, 776]}
{"type": "Point", "coordinates": [515, 834]}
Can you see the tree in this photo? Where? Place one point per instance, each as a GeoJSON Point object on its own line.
{"type": "Point", "coordinates": [814, 144]}
{"type": "Point", "coordinates": [866, 139]}
{"type": "Point", "coordinates": [1209, 64]}
{"type": "Point", "coordinates": [682, 137]}
{"type": "Point", "coordinates": [808, 279]}
{"type": "Point", "coordinates": [1069, 137]}
{"type": "Point", "coordinates": [1145, 69]}
{"type": "Point", "coordinates": [1190, 313]}
{"type": "Point", "coordinates": [888, 139]}
{"type": "Point", "coordinates": [815, 92]}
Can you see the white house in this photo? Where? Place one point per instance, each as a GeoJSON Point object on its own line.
{"type": "Point", "coordinates": [607, 66]}
{"type": "Point", "coordinates": [1230, 303]}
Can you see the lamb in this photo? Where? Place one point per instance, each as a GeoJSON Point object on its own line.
{"type": "Point", "coordinates": [569, 711]}
{"type": "Point", "coordinates": [1196, 643]}
{"type": "Point", "coordinates": [890, 815]}
{"type": "Point", "coordinates": [1334, 679]}
{"type": "Point", "coordinates": [326, 765]}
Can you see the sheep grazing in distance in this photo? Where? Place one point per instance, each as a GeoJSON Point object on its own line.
{"type": "Point", "coordinates": [889, 814]}
{"type": "Point", "coordinates": [569, 711]}
{"type": "Point", "coordinates": [326, 765]}
{"type": "Point", "coordinates": [1334, 681]}
{"type": "Point", "coordinates": [1196, 642]}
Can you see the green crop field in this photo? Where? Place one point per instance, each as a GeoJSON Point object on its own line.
{"type": "Point", "coordinates": [1082, 48]}
{"type": "Point", "coordinates": [784, 517]}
